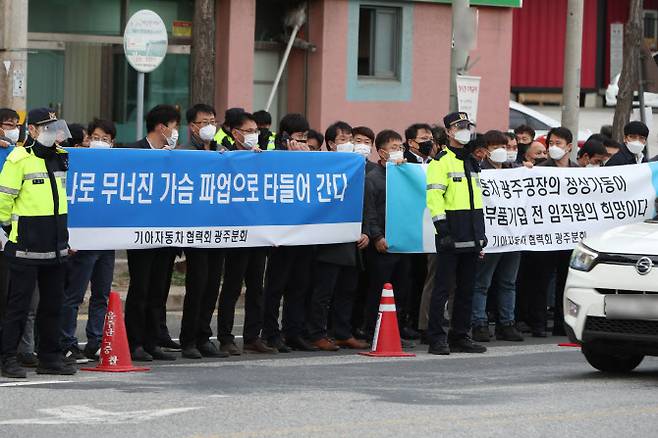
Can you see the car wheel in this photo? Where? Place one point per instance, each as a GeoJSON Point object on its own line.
{"type": "Point", "coordinates": [611, 363]}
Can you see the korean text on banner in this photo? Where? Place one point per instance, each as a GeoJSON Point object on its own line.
{"type": "Point", "coordinates": [539, 209]}
{"type": "Point", "coordinates": [129, 198]}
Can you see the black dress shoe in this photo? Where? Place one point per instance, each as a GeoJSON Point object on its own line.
{"type": "Point", "coordinates": [27, 360]}
{"type": "Point", "coordinates": [158, 354]}
{"type": "Point", "coordinates": [191, 352]}
{"type": "Point", "coordinates": [300, 344]}
{"type": "Point", "coordinates": [539, 334]}
{"type": "Point", "coordinates": [169, 345]}
{"type": "Point", "coordinates": [360, 334]}
{"type": "Point", "coordinates": [279, 345]}
{"type": "Point", "coordinates": [230, 348]}
{"type": "Point", "coordinates": [439, 349]}
{"type": "Point", "coordinates": [140, 355]}
{"type": "Point", "coordinates": [57, 369]}
{"type": "Point", "coordinates": [12, 369]}
{"type": "Point", "coordinates": [466, 345]}
{"type": "Point", "coordinates": [409, 333]}
{"type": "Point", "coordinates": [208, 349]}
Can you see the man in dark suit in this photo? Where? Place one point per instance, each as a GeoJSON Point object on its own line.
{"type": "Point", "coordinates": [336, 275]}
{"type": "Point", "coordinates": [150, 270]}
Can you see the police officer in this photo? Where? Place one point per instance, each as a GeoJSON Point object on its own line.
{"type": "Point", "coordinates": [33, 212]}
{"type": "Point", "coordinates": [223, 138]}
{"type": "Point", "coordinates": [455, 204]}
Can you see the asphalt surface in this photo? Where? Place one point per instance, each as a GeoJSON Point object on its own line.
{"type": "Point", "coordinates": [534, 388]}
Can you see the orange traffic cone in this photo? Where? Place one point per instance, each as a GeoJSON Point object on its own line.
{"type": "Point", "coordinates": [115, 353]}
{"type": "Point", "coordinates": [386, 342]}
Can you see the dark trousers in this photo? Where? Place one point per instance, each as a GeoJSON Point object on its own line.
{"type": "Point", "coordinates": [4, 289]}
{"type": "Point", "coordinates": [459, 269]}
{"type": "Point", "coordinates": [202, 280]}
{"type": "Point", "coordinates": [84, 267]}
{"type": "Point", "coordinates": [24, 279]}
{"type": "Point", "coordinates": [333, 292]}
{"type": "Point", "coordinates": [418, 272]}
{"type": "Point", "coordinates": [534, 286]}
{"type": "Point", "coordinates": [164, 335]}
{"type": "Point", "coordinates": [248, 265]}
{"type": "Point", "coordinates": [382, 269]}
{"type": "Point", "coordinates": [287, 275]}
{"type": "Point", "coordinates": [147, 294]}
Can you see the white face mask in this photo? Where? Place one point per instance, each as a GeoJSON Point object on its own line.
{"type": "Point", "coordinates": [635, 147]}
{"type": "Point", "coordinates": [395, 156]}
{"type": "Point", "coordinates": [463, 136]}
{"type": "Point", "coordinates": [556, 152]}
{"type": "Point", "coordinates": [593, 165]}
{"type": "Point", "coordinates": [345, 147]}
{"type": "Point", "coordinates": [498, 155]}
{"type": "Point", "coordinates": [512, 155]}
{"type": "Point", "coordinates": [250, 141]}
{"type": "Point", "coordinates": [97, 144]}
{"type": "Point", "coordinates": [47, 138]}
{"type": "Point", "coordinates": [173, 139]}
{"type": "Point", "coordinates": [207, 133]}
{"type": "Point", "coordinates": [362, 149]}
{"type": "Point", "coordinates": [12, 135]}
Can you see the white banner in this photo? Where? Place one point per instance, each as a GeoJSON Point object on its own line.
{"type": "Point", "coordinates": [548, 208]}
{"type": "Point", "coordinates": [468, 90]}
{"type": "Point", "coordinates": [538, 209]}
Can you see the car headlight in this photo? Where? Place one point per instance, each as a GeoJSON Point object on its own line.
{"type": "Point", "coordinates": [583, 258]}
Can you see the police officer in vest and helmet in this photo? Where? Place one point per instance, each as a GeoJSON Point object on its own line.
{"type": "Point", "coordinates": [455, 204]}
{"type": "Point", "coordinates": [33, 214]}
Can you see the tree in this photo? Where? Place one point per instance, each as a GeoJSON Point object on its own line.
{"type": "Point", "coordinates": [202, 77]}
{"type": "Point", "coordinates": [629, 79]}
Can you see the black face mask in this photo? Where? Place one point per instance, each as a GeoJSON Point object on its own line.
{"type": "Point", "coordinates": [264, 132]}
{"type": "Point", "coordinates": [539, 160]}
{"type": "Point", "coordinates": [425, 147]}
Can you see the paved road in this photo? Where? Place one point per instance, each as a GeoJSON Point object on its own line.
{"type": "Point", "coordinates": [531, 389]}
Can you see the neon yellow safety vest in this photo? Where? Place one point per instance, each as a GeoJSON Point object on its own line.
{"type": "Point", "coordinates": [270, 141]}
{"type": "Point", "coordinates": [221, 136]}
{"type": "Point", "coordinates": [455, 201]}
{"type": "Point", "coordinates": [39, 232]}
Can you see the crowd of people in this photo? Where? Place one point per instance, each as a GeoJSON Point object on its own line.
{"type": "Point", "coordinates": [329, 294]}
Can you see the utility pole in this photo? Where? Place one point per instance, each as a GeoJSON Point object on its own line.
{"type": "Point", "coordinates": [459, 52]}
{"type": "Point", "coordinates": [13, 54]}
{"type": "Point", "coordinates": [572, 66]}
{"type": "Point", "coordinates": [628, 81]}
{"type": "Point", "coordinates": [202, 77]}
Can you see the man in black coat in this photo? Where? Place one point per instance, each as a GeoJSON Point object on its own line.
{"type": "Point", "coordinates": [632, 151]}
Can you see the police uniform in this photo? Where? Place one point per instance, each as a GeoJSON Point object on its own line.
{"type": "Point", "coordinates": [224, 140]}
{"type": "Point", "coordinates": [454, 200]}
{"type": "Point", "coordinates": [33, 211]}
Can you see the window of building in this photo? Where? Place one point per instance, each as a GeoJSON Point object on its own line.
{"type": "Point", "coordinates": [379, 42]}
{"type": "Point", "coordinates": [651, 29]}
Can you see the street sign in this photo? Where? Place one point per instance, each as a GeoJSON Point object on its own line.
{"type": "Point", "coordinates": [145, 45]}
{"type": "Point", "coordinates": [145, 41]}
{"type": "Point", "coordinates": [468, 91]}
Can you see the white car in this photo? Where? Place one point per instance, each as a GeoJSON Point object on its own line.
{"type": "Point", "coordinates": [650, 99]}
{"type": "Point", "coordinates": [522, 115]}
{"type": "Point", "coordinates": [611, 297]}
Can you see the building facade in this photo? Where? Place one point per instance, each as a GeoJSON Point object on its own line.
{"type": "Point", "coordinates": [539, 38]}
{"type": "Point", "coordinates": [384, 64]}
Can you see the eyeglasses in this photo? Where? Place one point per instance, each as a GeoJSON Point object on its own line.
{"type": "Point", "coordinates": [249, 131]}
{"type": "Point", "coordinates": [105, 138]}
{"type": "Point", "coordinates": [203, 123]}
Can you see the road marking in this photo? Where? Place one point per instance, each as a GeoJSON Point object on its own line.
{"type": "Point", "coordinates": [80, 414]}
{"type": "Point", "coordinates": [354, 359]}
{"type": "Point", "coordinates": [43, 382]}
